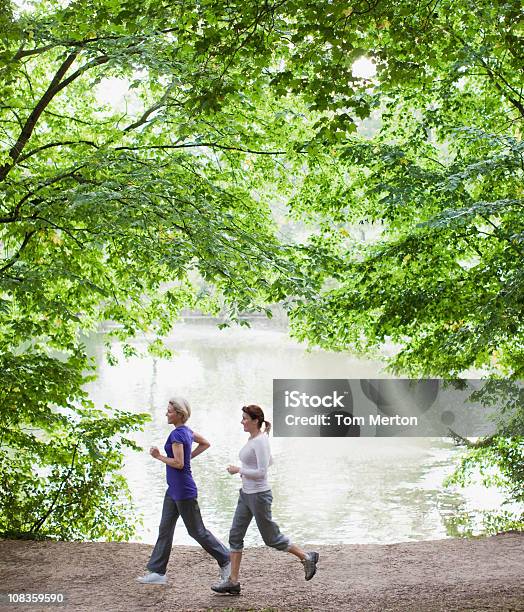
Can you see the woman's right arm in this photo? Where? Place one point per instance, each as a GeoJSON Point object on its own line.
{"type": "Point", "coordinates": [177, 461]}
{"type": "Point", "coordinates": [203, 444]}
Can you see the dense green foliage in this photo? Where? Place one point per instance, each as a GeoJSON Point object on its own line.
{"type": "Point", "coordinates": [120, 216]}
{"type": "Point", "coordinates": [132, 213]}
{"type": "Point", "coordinates": [439, 189]}
{"type": "Point", "coordinates": [501, 466]}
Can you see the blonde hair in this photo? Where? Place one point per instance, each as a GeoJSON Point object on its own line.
{"type": "Point", "coordinates": [181, 406]}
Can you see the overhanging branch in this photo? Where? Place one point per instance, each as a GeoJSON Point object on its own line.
{"type": "Point", "coordinates": [57, 144]}
{"type": "Point", "coordinates": [13, 259]}
{"type": "Point", "coordinates": [189, 145]}
{"type": "Point", "coordinates": [29, 125]}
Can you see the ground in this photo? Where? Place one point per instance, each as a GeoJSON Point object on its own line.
{"type": "Point", "coordinates": [455, 574]}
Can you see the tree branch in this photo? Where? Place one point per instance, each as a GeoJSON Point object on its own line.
{"type": "Point", "coordinates": [147, 113]}
{"type": "Point", "coordinates": [61, 116]}
{"type": "Point", "coordinates": [36, 526]}
{"type": "Point", "coordinates": [62, 229]}
{"type": "Point", "coordinates": [29, 125]}
{"type": "Point", "coordinates": [482, 443]}
{"type": "Point", "coordinates": [13, 259]}
{"type": "Point", "coordinates": [199, 144]}
{"type": "Point", "coordinates": [19, 121]}
{"type": "Point", "coordinates": [74, 43]}
{"type": "Point", "coordinates": [493, 77]}
{"type": "Point", "coordinates": [21, 53]}
{"type": "Point", "coordinates": [102, 59]}
{"type": "Point", "coordinates": [56, 144]}
{"type": "Point", "coordinates": [501, 235]}
{"type": "Point", "coordinates": [15, 215]}
{"type": "Point", "coordinates": [516, 103]}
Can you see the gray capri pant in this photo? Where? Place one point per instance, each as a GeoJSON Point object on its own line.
{"type": "Point", "coordinates": [256, 505]}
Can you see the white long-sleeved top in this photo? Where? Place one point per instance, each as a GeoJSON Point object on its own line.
{"type": "Point", "coordinates": [255, 456]}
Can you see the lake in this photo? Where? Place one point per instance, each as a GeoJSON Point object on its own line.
{"type": "Point", "coordinates": [326, 490]}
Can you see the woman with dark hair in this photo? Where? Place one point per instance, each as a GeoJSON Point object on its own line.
{"type": "Point", "coordinates": [255, 501]}
{"type": "Point", "coordinates": [181, 496]}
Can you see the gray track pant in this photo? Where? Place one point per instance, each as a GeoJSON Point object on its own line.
{"type": "Point", "coordinates": [190, 512]}
{"type": "Point", "coordinates": [256, 505]}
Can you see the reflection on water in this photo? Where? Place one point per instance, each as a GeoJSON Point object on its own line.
{"type": "Point", "coordinates": [326, 490]}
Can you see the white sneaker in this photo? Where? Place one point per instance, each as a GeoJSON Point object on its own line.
{"type": "Point", "coordinates": [152, 578]}
{"type": "Point", "coordinates": [225, 572]}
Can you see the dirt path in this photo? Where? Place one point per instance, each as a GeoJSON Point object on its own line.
{"type": "Point", "coordinates": [447, 575]}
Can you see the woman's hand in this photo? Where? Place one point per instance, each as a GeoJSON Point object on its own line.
{"type": "Point", "coordinates": [154, 452]}
{"type": "Point", "coordinates": [233, 469]}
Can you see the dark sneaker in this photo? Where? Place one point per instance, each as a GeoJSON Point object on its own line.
{"type": "Point", "coordinates": [310, 564]}
{"type": "Point", "coordinates": [233, 588]}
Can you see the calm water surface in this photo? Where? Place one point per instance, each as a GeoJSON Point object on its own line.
{"type": "Point", "coordinates": [326, 490]}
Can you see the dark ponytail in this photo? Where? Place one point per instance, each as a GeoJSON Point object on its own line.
{"type": "Point", "coordinates": [256, 412]}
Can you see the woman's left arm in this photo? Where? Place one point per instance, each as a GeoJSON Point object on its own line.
{"type": "Point", "coordinates": [203, 444]}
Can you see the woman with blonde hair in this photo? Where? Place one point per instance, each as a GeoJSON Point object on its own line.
{"type": "Point", "coordinates": [255, 500]}
{"type": "Point", "coordinates": [181, 496]}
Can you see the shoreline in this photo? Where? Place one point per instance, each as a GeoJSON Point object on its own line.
{"type": "Point", "coordinates": [478, 573]}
